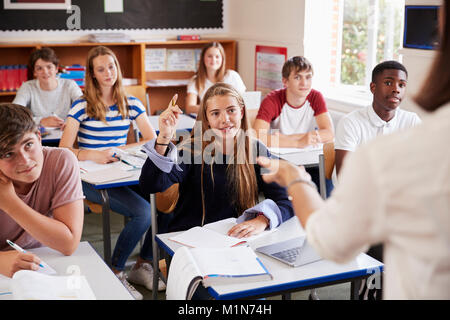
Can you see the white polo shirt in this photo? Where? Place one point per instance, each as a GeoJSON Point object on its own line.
{"type": "Point", "coordinates": [363, 125]}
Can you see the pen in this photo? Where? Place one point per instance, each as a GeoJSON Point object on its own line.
{"type": "Point", "coordinates": [317, 134]}
{"type": "Point", "coordinates": [16, 247]}
{"type": "Point", "coordinates": [124, 161]}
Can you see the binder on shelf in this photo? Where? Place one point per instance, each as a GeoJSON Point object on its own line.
{"type": "Point", "coordinates": [74, 72]}
{"type": "Point", "coordinates": [12, 77]}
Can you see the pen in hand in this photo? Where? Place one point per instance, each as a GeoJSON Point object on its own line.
{"type": "Point", "coordinates": [18, 248]}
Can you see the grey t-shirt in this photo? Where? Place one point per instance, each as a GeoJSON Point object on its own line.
{"type": "Point", "coordinates": [46, 103]}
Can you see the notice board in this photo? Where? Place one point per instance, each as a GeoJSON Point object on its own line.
{"type": "Point", "coordinates": [268, 64]}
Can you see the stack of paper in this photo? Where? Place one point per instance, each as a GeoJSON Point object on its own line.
{"type": "Point", "coordinates": [96, 173]}
{"type": "Point", "coordinates": [108, 37]}
{"type": "Point", "coordinates": [31, 285]}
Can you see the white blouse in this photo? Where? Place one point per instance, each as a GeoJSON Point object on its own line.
{"type": "Point", "coordinates": [395, 190]}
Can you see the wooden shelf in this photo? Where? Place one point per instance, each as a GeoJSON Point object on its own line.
{"type": "Point", "coordinates": [131, 57]}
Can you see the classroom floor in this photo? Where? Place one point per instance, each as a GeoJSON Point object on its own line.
{"type": "Point", "coordinates": [92, 232]}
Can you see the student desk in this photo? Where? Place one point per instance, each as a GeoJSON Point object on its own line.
{"type": "Point", "coordinates": [308, 158]}
{"type": "Point", "coordinates": [53, 137]}
{"type": "Point", "coordinates": [185, 124]}
{"type": "Point", "coordinates": [287, 279]}
{"type": "Point", "coordinates": [103, 282]}
{"type": "Point", "coordinates": [102, 188]}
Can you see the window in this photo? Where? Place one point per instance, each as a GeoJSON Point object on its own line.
{"type": "Point", "coordinates": [345, 39]}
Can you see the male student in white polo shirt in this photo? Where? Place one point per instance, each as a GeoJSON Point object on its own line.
{"type": "Point", "coordinates": [384, 116]}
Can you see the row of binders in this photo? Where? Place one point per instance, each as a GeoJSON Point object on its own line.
{"type": "Point", "coordinates": [12, 77]}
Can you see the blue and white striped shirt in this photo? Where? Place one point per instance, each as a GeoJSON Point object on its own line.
{"type": "Point", "coordinates": [94, 134]}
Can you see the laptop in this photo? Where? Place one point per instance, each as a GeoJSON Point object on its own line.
{"type": "Point", "coordinates": [294, 252]}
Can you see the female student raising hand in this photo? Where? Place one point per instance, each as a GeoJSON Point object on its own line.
{"type": "Point", "coordinates": [101, 119]}
{"type": "Point", "coordinates": [215, 168]}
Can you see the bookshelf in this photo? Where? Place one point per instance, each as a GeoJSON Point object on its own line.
{"type": "Point", "coordinates": [131, 56]}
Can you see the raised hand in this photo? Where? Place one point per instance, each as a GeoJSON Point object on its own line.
{"type": "Point", "coordinates": [168, 121]}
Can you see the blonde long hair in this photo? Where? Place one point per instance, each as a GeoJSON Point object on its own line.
{"type": "Point", "coordinates": [240, 172]}
{"type": "Point", "coordinates": [201, 72]}
{"type": "Point", "coordinates": [95, 108]}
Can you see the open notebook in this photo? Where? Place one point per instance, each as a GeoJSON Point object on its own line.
{"type": "Point", "coordinates": [212, 266]}
{"type": "Point", "coordinates": [214, 235]}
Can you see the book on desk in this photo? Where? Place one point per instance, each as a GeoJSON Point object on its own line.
{"type": "Point", "coordinates": [214, 235]}
{"type": "Point", "coordinates": [129, 160]}
{"type": "Point", "coordinates": [212, 266]}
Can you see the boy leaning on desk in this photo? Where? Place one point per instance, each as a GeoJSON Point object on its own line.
{"type": "Point", "coordinates": [41, 199]}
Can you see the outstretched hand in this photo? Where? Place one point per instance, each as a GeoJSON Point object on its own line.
{"type": "Point", "coordinates": [281, 171]}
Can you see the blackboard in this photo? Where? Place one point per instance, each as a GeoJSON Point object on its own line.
{"type": "Point", "coordinates": [137, 14]}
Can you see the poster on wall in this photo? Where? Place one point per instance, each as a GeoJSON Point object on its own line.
{"type": "Point", "coordinates": [268, 64]}
{"type": "Point", "coordinates": [37, 4]}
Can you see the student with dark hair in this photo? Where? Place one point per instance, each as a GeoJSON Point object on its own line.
{"type": "Point", "coordinates": [297, 111]}
{"type": "Point", "coordinates": [41, 200]}
{"type": "Point", "coordinates": [394, 190]}
{"type": "Point", "coordinates": [388, 86]}
{"type": "Point", "coordinates": [49, 98]}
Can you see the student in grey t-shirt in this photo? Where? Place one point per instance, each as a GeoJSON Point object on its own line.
{"type": "Point", "coordinates": [48, 97]}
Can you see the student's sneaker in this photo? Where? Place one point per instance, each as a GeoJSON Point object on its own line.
{"type": "Point", "coordinates": [144, 277]}
{"type": "Point", "coordinates": [123, 278]}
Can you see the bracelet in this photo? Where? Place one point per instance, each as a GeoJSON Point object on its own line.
{"type": "Point", "coordinates": [301, 180]}
{"type": "Point", "coordinates": [161, 144]}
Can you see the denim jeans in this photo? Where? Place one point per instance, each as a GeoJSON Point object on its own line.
{"type": "Point", "coordinates": [129, 203]}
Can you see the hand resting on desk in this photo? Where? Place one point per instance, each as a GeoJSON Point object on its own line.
{"type": "Point", "coordinates": [250, 227]}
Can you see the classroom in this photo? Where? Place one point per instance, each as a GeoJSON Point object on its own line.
{"type": "Point", "coordinates": [316, 186]}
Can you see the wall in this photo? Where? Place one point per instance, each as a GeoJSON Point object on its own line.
{"type": "Point", "coordinates": [265, 22]}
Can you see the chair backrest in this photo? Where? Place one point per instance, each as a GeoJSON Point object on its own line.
{"type": "Point", "coordinates": [140, 93]}
{"type": "Point", "coordinates": [167, 200]}
{"type": "Point", "coordinates": [252, 100]}
{"type": "Point", "coordinates": [328, 155]}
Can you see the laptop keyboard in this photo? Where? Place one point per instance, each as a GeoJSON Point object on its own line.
{"type": "Point", "coordinates": [289, 254]}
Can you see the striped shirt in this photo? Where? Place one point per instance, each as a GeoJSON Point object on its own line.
{"type": "Point", "coordinates": [94, 134]}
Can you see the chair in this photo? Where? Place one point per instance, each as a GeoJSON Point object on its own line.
{"type": "Point", "coordinates": [164, 202]}
{"type": "Point", "coordinates": [140, 93]}
{"type": "Point", "coordinates": [329, 154]}
{"type": "Point", "coordinates": [252, 100]}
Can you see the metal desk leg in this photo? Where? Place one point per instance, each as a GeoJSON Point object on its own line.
{"type": "Point", "coordinates": [154, 247]}
{"type": "Point", "coordinates": [323, 185]}
{"type": "Point", "coordinates": [106, 227]}
{"type": "Point", "coordinates": [354, 289]}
